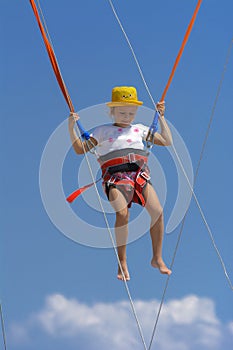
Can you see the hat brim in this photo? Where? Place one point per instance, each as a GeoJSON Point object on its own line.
{"type": "Point", "coordinates": [132, 102]}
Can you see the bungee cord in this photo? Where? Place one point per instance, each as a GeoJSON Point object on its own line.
{"type": "Point", "coordinates": [82, 132]}
{"type": "Point", "coordinates": [52, 58]}
{"type": "Point", "coordinates": [184, 42]}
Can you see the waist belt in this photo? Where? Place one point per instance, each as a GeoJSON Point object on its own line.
{"type": "Point", "coordinates": [130, 158]}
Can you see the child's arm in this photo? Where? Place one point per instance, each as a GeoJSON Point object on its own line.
{"type": "Point", "coordinates": [164, 138]}
{"type": "Point", "coordinates": [79, 146]}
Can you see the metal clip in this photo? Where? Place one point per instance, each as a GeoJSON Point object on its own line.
{"type": "Point", "coordinates": [145, 175]}
{"type": "Point", "coordinates": [111, 180]}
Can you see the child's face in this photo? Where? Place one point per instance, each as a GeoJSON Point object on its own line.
{"type": "Point", "coordinates": [124, 115]}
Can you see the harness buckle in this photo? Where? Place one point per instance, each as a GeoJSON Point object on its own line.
{"type": "Point", "coordinates": [111, 180]}
{"type": "Point", "coordinates": [131, 157]}
{"type": "Point", "coordinates": [145, 175]}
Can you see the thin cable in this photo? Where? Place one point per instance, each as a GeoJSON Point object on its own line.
{"type": "Point", "coordinates": [113, 243]}
{"type": "Point", "coordinates": [48, 43]}
{"type": "Point", "coordinates": [195, 179]}
{"type": "Point", "coordinates": [174, 149]}
{"type": "Point", "coordinates": [45, 24]}
{"type": "Point", "coordinates": [3, 327]}
{"type": "Point", "coordinates": [204, 220]}
{"type": "Point", "coordinates": [133, 53]}
{"type": "Point", "coordinates": [180, 163]}
{"type": "Point", "coordinates": [214, 105]}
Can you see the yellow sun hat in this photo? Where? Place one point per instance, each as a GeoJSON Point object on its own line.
{"type": "Point", "coordinates": [124, 95]}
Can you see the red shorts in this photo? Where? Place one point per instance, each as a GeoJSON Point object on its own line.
{"type": "Point", "coordinates": [130, 183]}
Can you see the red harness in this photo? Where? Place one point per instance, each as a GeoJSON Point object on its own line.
{"type": "Point", "coordinates": [132, 189]}
{"type": "Point", "coordinates": [137, 186]}
{"type": "Point", "coordinates": [129, 158]}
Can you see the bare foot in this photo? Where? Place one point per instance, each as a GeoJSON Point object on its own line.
{"type": "Point", "coordinates": [159, 264]}
{"type": "Point", "coordinates": [125, 271]}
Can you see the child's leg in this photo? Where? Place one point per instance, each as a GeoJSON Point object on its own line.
{"type": "Point", "coordinates": [119, 204]}
{"type": "Point", "coordinates": [155, 210]}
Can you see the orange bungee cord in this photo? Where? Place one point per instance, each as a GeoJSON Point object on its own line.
{"type": "Point", "coordinates": [154, 124]}
{"type": "Point", "coordinates": [56, 69]}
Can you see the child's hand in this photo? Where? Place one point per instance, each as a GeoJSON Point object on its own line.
{"type": "Point", "coordinates": [161, 108]}
{"type": "Point", "coordinates": [73, 117]}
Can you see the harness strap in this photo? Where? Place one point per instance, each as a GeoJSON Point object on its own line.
{"type": "Point", "coordinates": [141, 181]}
{"type": "Point", "coordinates": [142, 177]}
{"type": "Point", "coordinates": [79, 191]}
{"type": "Point", "coordinates": [130, 158]}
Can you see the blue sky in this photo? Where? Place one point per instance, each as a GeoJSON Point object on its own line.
{"type": "Point", "coordinates": [57, 293]}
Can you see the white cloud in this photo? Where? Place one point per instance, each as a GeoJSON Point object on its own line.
{"type": "Point", "coordinates": [186, 324]}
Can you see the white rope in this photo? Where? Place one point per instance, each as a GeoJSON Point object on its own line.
{"type": "Point", "coordinates": [133, 53]}
{"type": "Point", "coordinates": [45, 25]}
{"type": "Point", "coordinates": [195, 179]}
{"type": "Point", "coordinates": [3, 327]}
{"type": "Point", "coordinates": [205, 221]}
{"type": "Point", "coordinates": [112, 241]}
{"type": "Point", "coordinates": [100, 202]}
{"type": "Point", "coordinates": [174, 149]}
{"type": "Point", "coordinates": [185, 174]}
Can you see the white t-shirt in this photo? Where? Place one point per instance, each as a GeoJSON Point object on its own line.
{"type": "Point", "coordinates": [112, 138]}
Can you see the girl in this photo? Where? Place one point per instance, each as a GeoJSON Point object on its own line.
{"type": "Point", "coordinates": [125, 173]}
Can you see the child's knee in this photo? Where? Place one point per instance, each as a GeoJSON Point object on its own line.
{"type": "Point", "coordinates": [158, 214]}
{"type": "Point", "coordinates": [160, 211]}
{"type": "Point", "coordinates": [123, 216]}
{"type": "Point", "coordinates": [155, 210]}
